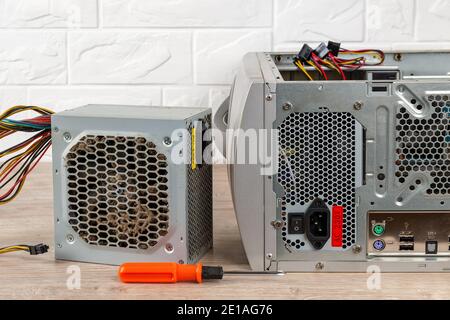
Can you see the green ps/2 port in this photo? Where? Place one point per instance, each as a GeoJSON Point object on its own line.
{"type": "Point", "coordinates": [378, 229]}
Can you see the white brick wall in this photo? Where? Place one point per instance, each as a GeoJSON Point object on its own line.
{"type": "Point", "coordinates": [65, 53]}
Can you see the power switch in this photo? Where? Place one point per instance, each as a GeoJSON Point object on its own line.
{"type": "Point", "coordinates": [431, 247]}
{"type": "Point", "coordinates": [296, 223]}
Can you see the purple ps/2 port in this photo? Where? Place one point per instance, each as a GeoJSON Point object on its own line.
{"type": "Point", "coordinates": [379, 245]}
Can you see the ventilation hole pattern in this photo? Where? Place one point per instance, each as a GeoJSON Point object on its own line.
{"type": "Point", "coordinates": [199, 210]}
{"type": "Point", "coordinates": [117, 191]}
{"type": "Point", "coordinates": [423, 145]}
{"type": "Point", "coordinates": [317, 160]}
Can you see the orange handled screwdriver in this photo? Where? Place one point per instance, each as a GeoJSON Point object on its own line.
{"type": "Point", "coordinates": [171, 272]}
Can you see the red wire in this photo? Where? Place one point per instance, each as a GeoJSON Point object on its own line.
{"type": "Point", "coordinates": [315, 61]}
{"type": "Point", "coordinates": [26, 174]}
{"type": "Point", "coordinates": [16, 164]}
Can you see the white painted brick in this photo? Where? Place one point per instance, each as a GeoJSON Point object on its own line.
{"type": "Point", "coordinates": [390, 20]}
{"type": "Point", "coordinates": [192, 96]}
{"type": "Point", "coordinates": [48, 13]}
{"type": "Point", "coordinates": [12, 96]}
{"type": "Point", "coordinates": [32, 57]}
{"type": "Point", "coordinates": [218, 54]}
{"type": "Point", "coordinates": [195, 96]}
{"type": "Point", "coordinates": [62, 98]}
{"type": "Point", "coordinates": [130, 57]}
{"type": "Point", "coordinates": [187, 13]}
{"type": "Point", "coordinates": [305, 20]}
{"type": "Point", "coordinates": [433, 20]}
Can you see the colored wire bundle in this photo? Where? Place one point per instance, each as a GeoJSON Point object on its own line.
{"type": "Point", "coordinates": [331, 57]}
{"type": "Point", "coordinates": [33, 250]}
{"type": "Point", "coordinates": [18, 161]}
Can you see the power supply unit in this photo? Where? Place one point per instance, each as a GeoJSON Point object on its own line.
{"type": "Point", "coordinates": [363, 165]}
{"type": "Point", "coordinates": [129, 184]}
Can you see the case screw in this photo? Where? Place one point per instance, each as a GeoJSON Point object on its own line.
{"type": "Point", "coordinates": [67, 137]}
{"type": "Point", "coordinates": [356, 249]}
{"type": "Point", "coordinates": [287, 106]}
{"type": "Point", "coordinates": [70, 238]}
{"type": "Point", "coordinates": [269, 256]}
{"type": "Point", "coordinates": [319, 265]}
{"type": "Point", "coordinates": [269, 97]}
{"type": "Point", "coordinates": [169, 248]}
{"type": "Point", "coordinates": [277, 224]}
{"type": "Point", "coordinates": [358, 105]}
{"type": "Point", "coordinates": [167, 141]}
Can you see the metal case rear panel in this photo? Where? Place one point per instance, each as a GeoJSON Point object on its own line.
{"type": "Point", "coordinates": [378, 149]}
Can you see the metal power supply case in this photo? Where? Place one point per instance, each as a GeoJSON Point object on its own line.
{"type": "Point", "coordinates": [125, 188]}
{"type": "Point", "coordinates": [363, 175]}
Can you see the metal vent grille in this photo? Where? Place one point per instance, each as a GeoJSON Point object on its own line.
{"type": "Point", "coordinates": [423, 145]}
{"type": "Point", "coordinates": [199, 201]}
{"type": "Point", "coordinates": [317, 160]}
{"type": "Point", "coordinates": [117, 191]}
{"type": "Point", "coordinates": [199, 210]}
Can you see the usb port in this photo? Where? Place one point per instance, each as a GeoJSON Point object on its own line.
{"type": "Point", "coordinates": [406, 237]}
{"type": "Point", "coordinates": [407, 246]}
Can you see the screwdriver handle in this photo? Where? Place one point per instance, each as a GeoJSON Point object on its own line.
{"type": "Point", "coordinates": [160, 272]}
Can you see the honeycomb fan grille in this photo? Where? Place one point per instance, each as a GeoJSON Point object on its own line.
{"type": "Point", "coordinates": [423, 145]}
{"type": "Point", "coordinates": [117, 191]}
{"type": "Point", "coordinates": [200, 208]}
{"type": "Point", "coordinates": [318, 160]}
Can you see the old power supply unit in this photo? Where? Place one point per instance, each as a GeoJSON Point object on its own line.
{"type": "Point", "coordinates": [123, 193]}
{"type": "Point", "coordinates": [363, 175]}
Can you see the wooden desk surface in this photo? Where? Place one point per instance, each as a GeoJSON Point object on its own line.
{"type": "Point", "coordinates": [29, 220]}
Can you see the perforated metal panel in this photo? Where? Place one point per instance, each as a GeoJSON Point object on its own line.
{"type": "Point", "coordinates": [200, 225]}
{"type": "Point", "coordinates": [317, 160]}
{"type": "Point", "coordinates": [117, 191]}
{"type": "Point", "coordinates": [423, 144]}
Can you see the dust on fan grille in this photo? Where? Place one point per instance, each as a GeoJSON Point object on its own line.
{"type": "Point", "coordinates": [117, 191]}
{"type": "Point", "coordinates": [317, 160]}
{"type": "Point", "coordinates": [423, 144]}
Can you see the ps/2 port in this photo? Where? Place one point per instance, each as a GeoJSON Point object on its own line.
{"type": "Point", "coordinates": [378, 229]}
{"type": "Point", "coordinates": [379, 245]}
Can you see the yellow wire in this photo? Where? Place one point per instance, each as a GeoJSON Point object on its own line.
{"type": "Point", "coordinates": [13, 249]}
{"type": "Point", "coordinates": [302, 68]}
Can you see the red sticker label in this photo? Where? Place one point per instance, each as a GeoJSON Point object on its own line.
{"type": "Point", "coordinates": [336, 226]}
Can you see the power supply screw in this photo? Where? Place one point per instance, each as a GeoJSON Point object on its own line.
{"type": "Point", "coordinates": [169, 248]}
{"type": "Point", "coordinates": [358, 105]}
{"type": "Point", "coordinates": [70, 238]}
{"type": "Point", "coordinates": [67, 137]}
{"type": "Point", "coordinates": [356, 249]}
{"type": "Point", "coordinates": [287, 106]}
{"type": "Point", "coordinates": [269, 97]}
{"type": "Point", "coordinates": [319, 265]}
{"type": "Point", "coordinates": [167, 141]}
{"type": "Point", "coordinates": [277, 224]}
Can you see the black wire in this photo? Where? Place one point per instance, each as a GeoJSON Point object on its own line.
{"type": "Point", "coordinates": [24, 169]}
